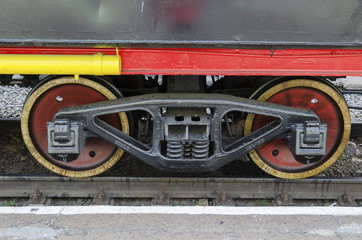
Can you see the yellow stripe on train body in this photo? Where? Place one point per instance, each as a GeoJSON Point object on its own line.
{"type": "Point", "coordinates": [97, 64]}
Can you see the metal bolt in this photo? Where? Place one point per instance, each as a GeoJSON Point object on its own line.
{"type": "Point", "coordinates": [314, 100]}
{"type": "Point", "coordinates": [59, 98]}
{"type": "Point", "coordinates": [92, 154]}
{"type": "Point", "coordinates": [275, 153]}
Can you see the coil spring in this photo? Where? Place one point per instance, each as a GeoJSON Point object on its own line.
{"type": "Point", "coordinates": [200, 149]}
{"type": "Point", "coordinates": [187, 150]}
{"type": "Point", "coordinates": [175, 150]}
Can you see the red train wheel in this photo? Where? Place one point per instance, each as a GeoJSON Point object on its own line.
{"type": "Point", "coordinates": [98, 155]}
{"type": "Point", "coordinates": [275, 157]}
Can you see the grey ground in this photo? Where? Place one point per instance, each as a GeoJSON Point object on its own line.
{"type": "Point", "coordinates": [153, 226]}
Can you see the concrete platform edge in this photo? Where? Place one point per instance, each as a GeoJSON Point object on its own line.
{"type": "Point", "coordinates": [195, 210]}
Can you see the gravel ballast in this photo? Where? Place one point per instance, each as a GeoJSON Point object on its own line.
{"type": "Point", "coordinates": [12, 99]}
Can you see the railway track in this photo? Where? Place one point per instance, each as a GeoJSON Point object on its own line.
{"type": "Point", "coordinates": [173, 191]}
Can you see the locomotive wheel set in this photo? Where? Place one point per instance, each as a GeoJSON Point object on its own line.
{"type": "Point", "coordinates": [96, 155]}
{"type": "Point", "coordinates": [178, 95]}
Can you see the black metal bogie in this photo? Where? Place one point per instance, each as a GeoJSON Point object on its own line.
{"type": "Point", "coordinates": [198, 149]}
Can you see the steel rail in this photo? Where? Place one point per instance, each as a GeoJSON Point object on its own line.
{"type": "Point", "coordinates": [179, 188]}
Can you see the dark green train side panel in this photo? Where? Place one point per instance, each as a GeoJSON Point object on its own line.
{"type": "Point", "coordinates": [195, 23]}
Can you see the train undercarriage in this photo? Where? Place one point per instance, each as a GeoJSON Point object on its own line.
{"type": "Point", "coordinates": [194, 110]}
{"type": "Point", "coordinates": [291, 127]}
{"type": "Point", "coordinates": [175, 85]}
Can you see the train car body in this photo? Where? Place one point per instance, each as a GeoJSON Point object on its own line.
{"type": "Point", "coordinates": [199, 23]}
{"type": "Point", "coordinates": [102, 57]}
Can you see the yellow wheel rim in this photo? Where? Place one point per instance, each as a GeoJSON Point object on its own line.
{"type": "Point", "coordinates": [338, 102]}
{"type": "Point", "coordinates": [27, 110]}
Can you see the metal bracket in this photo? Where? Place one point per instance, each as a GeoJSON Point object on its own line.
{"type": "Point", "coordinates": [310, 139]}
{"type": "Point", "coordinates": [65, 138]}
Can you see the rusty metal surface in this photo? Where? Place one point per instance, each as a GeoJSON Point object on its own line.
{"type": "Point", "coordinates": [203, 188]}
{"type": "Point", "coordinates": [181, 22]}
